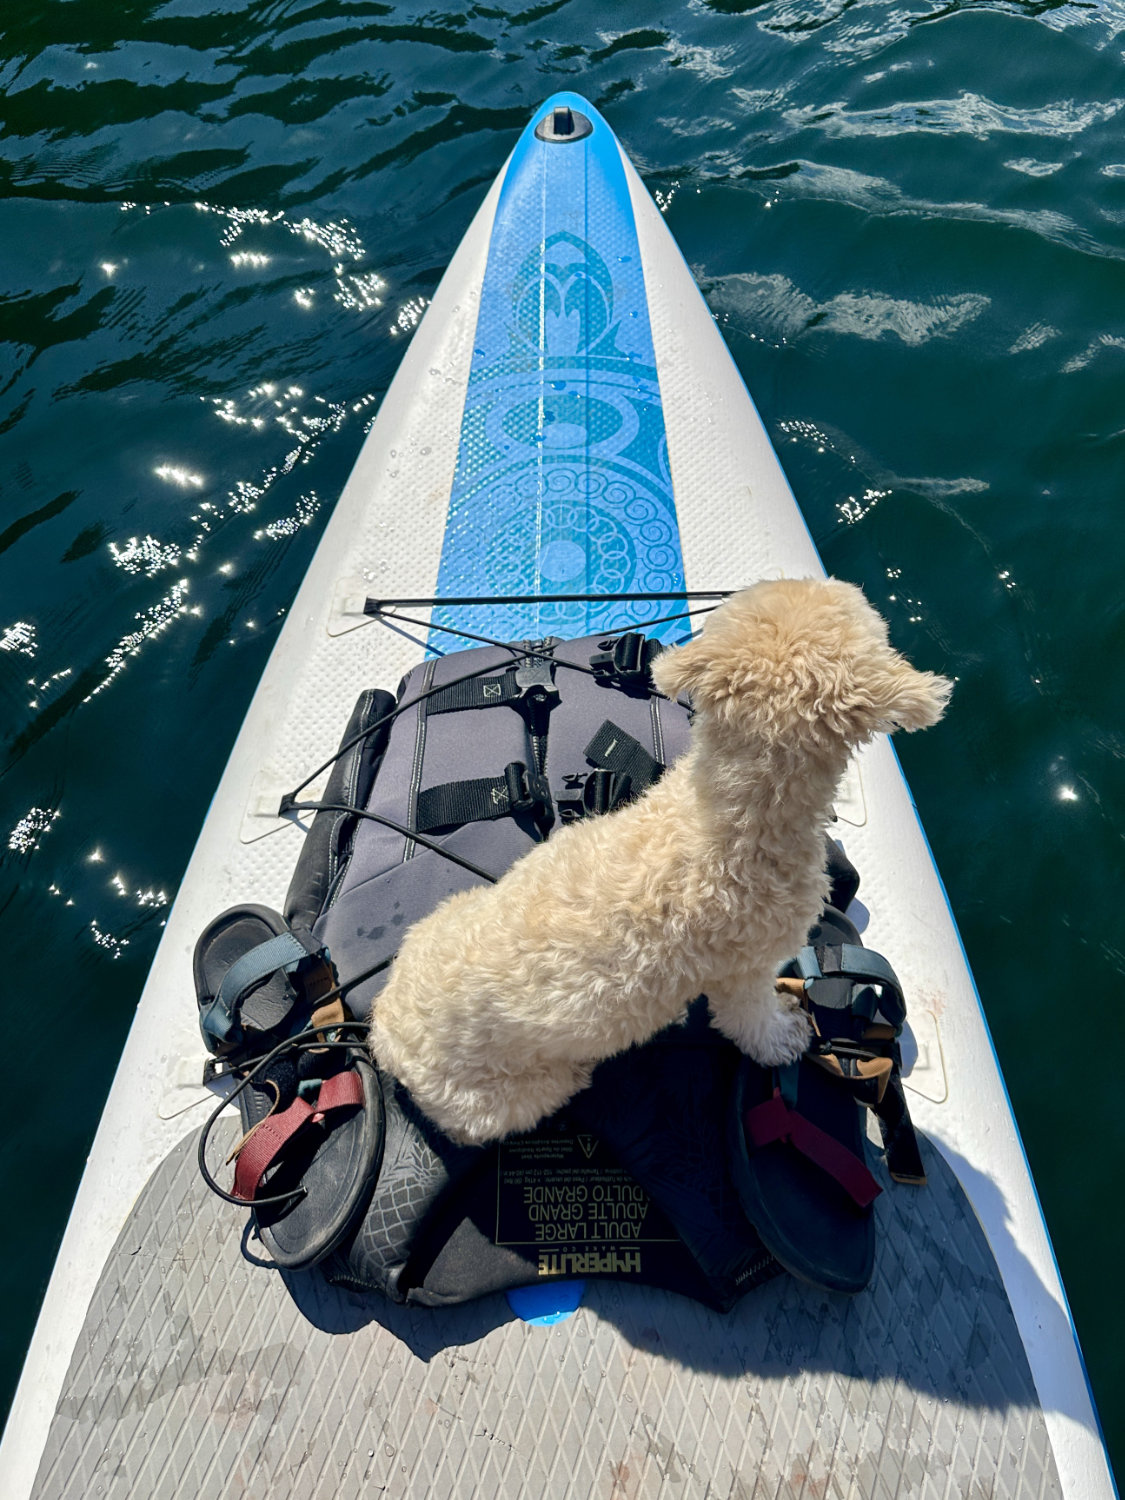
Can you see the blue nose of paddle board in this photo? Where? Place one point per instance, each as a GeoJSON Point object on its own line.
{"type": "Point", "coordinates": [562, 483]}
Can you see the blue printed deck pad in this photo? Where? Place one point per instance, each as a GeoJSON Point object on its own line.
{"type": "Point", "coordinates": [562, 483]}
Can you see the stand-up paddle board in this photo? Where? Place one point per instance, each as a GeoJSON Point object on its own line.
{"type": "Point", "coordinates": [566, 422]}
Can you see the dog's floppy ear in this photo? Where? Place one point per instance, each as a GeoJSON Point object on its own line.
{"type": "Point", "coordinates": [891, 694]}
{"type": "Point", "coordinates": [683, 669]}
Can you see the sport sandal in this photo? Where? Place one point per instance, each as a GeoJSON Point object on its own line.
{"type": "Point", "coordinates": [308, 1097]}
{"type": "Point", "coordinates": [796, 1133]}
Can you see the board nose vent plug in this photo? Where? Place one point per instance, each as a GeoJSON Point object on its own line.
{"type": "Point", "coordinates": [563, 124]}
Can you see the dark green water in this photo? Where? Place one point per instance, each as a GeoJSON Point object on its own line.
{"type": "Point", "coordinates": [218, 225]}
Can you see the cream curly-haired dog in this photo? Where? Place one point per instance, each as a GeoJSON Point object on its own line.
{"type": "Point", "coordinates": [503, 999]}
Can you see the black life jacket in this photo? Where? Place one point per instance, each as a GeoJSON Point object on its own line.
{"type": "Point", "coordinates": [486, 768]}
{"type": "Point", "coordinates": [629, 1180]}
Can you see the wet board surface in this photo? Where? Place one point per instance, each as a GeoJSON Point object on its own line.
{"type": "Point", "coordinates": [566, 420]}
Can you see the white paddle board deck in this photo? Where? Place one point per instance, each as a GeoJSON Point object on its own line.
{"type": "Point", "coordinates": [566, 420]}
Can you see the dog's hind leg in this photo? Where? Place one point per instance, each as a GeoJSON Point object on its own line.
{"type": "Point", "coordinates": [771, 1028]}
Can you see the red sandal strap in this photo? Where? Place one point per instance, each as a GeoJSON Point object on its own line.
{"type": "Point", "coordinates": [265, 1144]}
{"type": "Point", "coordinates": [773, 1121]}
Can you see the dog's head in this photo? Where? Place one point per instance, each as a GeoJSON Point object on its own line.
{"type": "Point", "coordinates": [801, 658]}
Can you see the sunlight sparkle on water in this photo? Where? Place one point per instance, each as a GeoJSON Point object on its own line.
{"type": "Point", "coordinates": [410, 314]}
{"type": "Point", "coordinates": [664, 200]}
{"type": "Point", "coordinates": [48, 683]}
{"type": "Point", "coordinates": [338, 238]}
{"type": "Point", "coordinates": [173, 474]}
{"type": "Point", "coordinates": [284, 526]}
{"type": "Point", "coordinates": [854, 508]}
{"type": "Point", "coordinates": [357, 293]}
{"type": "Point", "coordinates": [19, 637]}
{"type": "Point", "coordinates": [25, 836]}
{"type": "Point", "coordinates": [106, 940]}
{"type": "Point", "coordinates": [151, 622]}
{"type": "Point", "coordinates": [145, 555]}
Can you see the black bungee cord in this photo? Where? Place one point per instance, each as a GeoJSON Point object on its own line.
{"type": "Point", "coordinates": [408, 833]}
{"type": "Point", "coordinates": [288, 802]}
{"type": "Point", "coordinates": [311, 1039]}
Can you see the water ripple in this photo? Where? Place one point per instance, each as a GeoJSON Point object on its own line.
{"type": "Point", "coordinates": [774, 304]}
{"type": "Point", "coordinates": [880, 197]}
{"type": "Point", "coordinates": [862, 28]}
{"type": "Point", "coordinates": [968, 114]}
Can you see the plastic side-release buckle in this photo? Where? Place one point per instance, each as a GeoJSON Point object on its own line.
{"type": "Point", "coordinates": [528, 792]}
{"type": "Point", "coordinates": [538, 695]}
{"type": "Point", "coordinates": [626, 661]}
{"type": "Point", "coordinates": [588, 793]}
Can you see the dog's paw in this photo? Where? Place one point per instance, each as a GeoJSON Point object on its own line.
{"type": "Point", "coordinates": [782, 1036]}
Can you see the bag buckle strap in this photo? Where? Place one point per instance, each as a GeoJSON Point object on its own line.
{"type": "Point", "coordinates": [588, 793]}
{"type": "Point", "coordinates": [538, 695]}
{"type": "Point", "coordinates": [626, 660]}
{"type": "Point", "coordinates": [611, 749]}
{"type": "Point", "coordinates": [528, 792]}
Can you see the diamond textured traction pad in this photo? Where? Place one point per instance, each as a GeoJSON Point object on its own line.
{"type": "Point", "coordinates": [200, 1372]}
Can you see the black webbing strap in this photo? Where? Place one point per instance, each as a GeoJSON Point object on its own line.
{"type": "Point", "coordinates": [614, 750]}
{"type": "Point", "coordinates": [477, 692]}
{"type": "Point", "coordinates": [843, 975]}
{"type": "Point", "coordinates": [484, 798]}
{"type": "Point", "coordinates": [904, 1160]}
{"type": "Point", "coordinates": [529, 687]}
{"type": "Point", "coordinates": [846, 976]}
